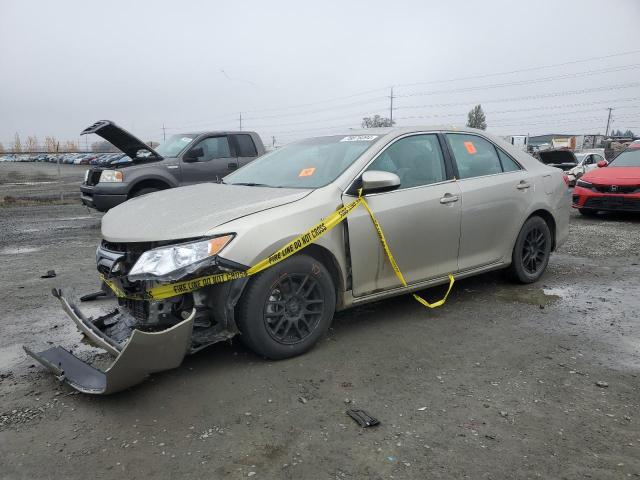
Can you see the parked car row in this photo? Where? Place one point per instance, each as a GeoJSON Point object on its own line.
{"type": "Point", "coordinates": [104, 159]}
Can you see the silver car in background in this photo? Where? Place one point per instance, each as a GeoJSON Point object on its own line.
{"type": "Point", "coordinates": [450, 201]}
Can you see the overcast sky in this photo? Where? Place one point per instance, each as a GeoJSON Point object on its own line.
{"type": "Point", "coordinates": [296, 69]}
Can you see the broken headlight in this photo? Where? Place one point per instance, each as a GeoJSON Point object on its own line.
{"type": "Point", "coordinates": [584, 184]}
{"type": "Point", "coordinates": [175, 261]}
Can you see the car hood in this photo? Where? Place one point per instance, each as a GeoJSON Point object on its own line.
{"type": "Point", "coordinates": [189, 212]}
{"type": "Point", "coordinates": [612, 175]}
{"type": "Point", "coordinates": [121, 139]}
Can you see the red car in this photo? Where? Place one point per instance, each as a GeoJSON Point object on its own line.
{"type": "Point", "coordinates": [615, 186]}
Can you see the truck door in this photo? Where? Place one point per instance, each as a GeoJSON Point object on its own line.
{"type": "Point", "coordinates": [208, 160]}
{"type": "Point", "coordinates": [245, 148]}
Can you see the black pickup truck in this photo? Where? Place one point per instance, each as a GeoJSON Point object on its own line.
{"type": "Point", "coordinates": [183, 159]}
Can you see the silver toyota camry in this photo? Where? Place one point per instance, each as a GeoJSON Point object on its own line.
{"type": "Point", "coordinates": [450, 201]}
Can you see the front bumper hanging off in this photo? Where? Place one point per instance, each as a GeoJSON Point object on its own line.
{"type": "Point", "coordinates": [141, 354]}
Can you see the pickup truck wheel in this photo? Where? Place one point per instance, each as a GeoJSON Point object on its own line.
{"type": "Point", "coordinates": [143, 191]}
{"type": "Point", "coordinates": [531, 252]}
{"type": "Point", "coordinates": [287, 308]}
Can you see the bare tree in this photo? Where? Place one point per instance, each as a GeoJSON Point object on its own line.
{"type": "Point", "coordinates": [31, 144]}
{"type": "Point", "coordinates": [17, 145]}
{"type": "Point", "coordinates": [476, 118]}
{"type": "Point", "coordinates": [377, 121]}
{"type": "Point", "coordinates": [70, 146]}
{"type": "Point", "coordinates": [50, 144]}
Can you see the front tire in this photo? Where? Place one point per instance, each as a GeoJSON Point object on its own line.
{"type": "Point", "coordinates": [287, 308]}
{"type": "Point", "coordinates": [531, 252]}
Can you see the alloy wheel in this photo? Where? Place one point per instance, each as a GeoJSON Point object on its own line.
{"type": "Point", "coordinates": [534, 251]}
{"type": "Point", "coordinates": [294, 307]}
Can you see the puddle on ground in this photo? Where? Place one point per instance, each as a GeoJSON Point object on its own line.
{"type": "Point", "coordinates": [531, 296]}
{"type": "Point", "coordinates": [19, 250]}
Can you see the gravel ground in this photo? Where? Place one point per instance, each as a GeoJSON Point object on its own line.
{"type": "Point", "coordinates": [504, 381]}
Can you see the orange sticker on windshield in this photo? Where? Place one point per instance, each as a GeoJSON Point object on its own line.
{"type": "Point", "coordinates": [471, 148]}
{"type": "Point", "coordinates": [307, 172]}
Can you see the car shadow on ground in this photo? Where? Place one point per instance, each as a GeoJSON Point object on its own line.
{"type": "Point", "coordinates": [633, 217]}
{"type": "Point", "coordinates": [386, 316]}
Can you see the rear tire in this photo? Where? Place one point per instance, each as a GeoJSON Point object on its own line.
{"type": "Point", "coordinates": [287, 308]}
{"type": "Point", "coordinates": [531, 252]}
{"type": "Point", "coordinates": [587, 212]}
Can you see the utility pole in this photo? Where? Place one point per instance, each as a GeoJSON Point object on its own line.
{"type": "Point", "coordinates": [164, 134]}
{"type": "Point", "coordinates": [240, 121]}
{"type": "Point", "coordinates": [391, 97]}
{"type": "Point", "coordinates": [606, 132]}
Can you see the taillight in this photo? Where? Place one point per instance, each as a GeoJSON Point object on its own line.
{"type": "Point", "coordinates": [565, 177]}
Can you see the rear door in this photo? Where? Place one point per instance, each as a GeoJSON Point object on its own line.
{"type": "Point", "coordinates": [495, 195]}
{"type": "Point", "coordinates": [245, 148]}
{"type": "Point", "coordinates": [421, 219]}
{"type": "Point", "coordinates": [218, 158]}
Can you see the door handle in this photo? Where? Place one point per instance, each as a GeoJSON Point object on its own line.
{"type": "Point", "coordinates": [449, 198]}
{"type": "Point", "coordinates": [523, 185]}
{"type": "Point", "coordinates": [232, 166]}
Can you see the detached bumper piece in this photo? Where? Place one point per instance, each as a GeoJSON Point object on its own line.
{"type": "Point", "coordinates": [141, 354]}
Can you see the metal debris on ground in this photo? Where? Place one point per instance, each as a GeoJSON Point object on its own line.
{"type": "Point", "coordinates": [363, 418]}
{"type": "Point", "coordinates": [49, 274]}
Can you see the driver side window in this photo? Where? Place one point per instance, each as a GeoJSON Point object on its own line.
{"type": "Point", "coordinates": [214, 147]}
{"type": "Point", "coordinates": [417, 160]}
{"type": "Point", "coordinates": [589, 160]}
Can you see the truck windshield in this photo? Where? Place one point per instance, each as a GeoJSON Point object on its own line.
{"type": "Point", "coordinates": [174, 145]}
{"type": "Point", "coordinates": [311, 163]}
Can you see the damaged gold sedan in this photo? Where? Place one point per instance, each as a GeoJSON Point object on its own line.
{"type": "Point", "coordinates": [281, 244]}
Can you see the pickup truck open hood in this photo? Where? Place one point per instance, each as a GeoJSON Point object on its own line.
{"type": "Point", "coordinates": [189, 212]}
{"type": "Point", "coordinates": [121, 139]}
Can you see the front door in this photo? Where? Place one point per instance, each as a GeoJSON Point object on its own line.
{"type": "Point", "coordinates": [217, 159]}
{"type": "Point", "coordinates": [421, 219]}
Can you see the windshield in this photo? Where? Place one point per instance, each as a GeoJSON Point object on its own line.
{"type": "Point", "coordinates": [580, 156]}
{"type": "Point", "coordinates": [174, 145]}
{"type": "Point", "coordinates": [627, 158]}
{"type": "Point", "coordinates": [311, 163]}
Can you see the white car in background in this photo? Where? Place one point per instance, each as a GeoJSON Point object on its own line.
{"type": "Point", "coordinates": [587, 161]}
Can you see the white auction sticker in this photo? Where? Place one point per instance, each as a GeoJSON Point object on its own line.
{"type": "Point", "coordinates": [186, 139]}
{"type": "Point", "coordinates": [359, 138]}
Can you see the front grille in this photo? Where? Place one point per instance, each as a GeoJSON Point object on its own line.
{"type": "Point", "coordinates": [139, 309]}
{"type": "Point", "coordinates": [613, 203]}
{"type": "Point", "coordinates": [94, 177]}
{"type": "Point", "coordinates": [616, 189]}
{"type": "Point", "coordinates": [131, 252]}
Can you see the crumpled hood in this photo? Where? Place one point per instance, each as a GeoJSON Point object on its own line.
{"type": "Point", "coordinates": [613, 175]}
{"type": "Point", "coordinates": [188, 212]}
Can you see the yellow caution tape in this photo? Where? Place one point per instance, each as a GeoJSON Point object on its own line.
{"type": "Point", "coordinates": [307, 238]}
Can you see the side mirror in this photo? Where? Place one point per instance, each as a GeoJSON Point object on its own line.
{"type": "Point", "coordinates": [375, 181]}
{"type": "Point", "coordinates": [602, 163]}
{"type": "Point", "coordinates": [193, 154]}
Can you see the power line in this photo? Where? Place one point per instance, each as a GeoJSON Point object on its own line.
{"type": "Point", "coordinates": [529, 69]}
{"type": "Point", "coordinates": [525, 82]}
{"type": "Point", "coordinates": [564, 93]}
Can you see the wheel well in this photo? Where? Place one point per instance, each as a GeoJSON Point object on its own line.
{"type": "Point", "coordinates": [325, 257]}
{"type": "Point", "coordinates": [551, 223]}
{"type": "Point", "coordinates": [151, 183]}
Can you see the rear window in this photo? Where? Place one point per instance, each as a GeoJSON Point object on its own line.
{"type": "Point", "coordinates": [246, 147]}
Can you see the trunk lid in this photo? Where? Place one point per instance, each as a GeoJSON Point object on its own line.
{"type": "Point", "coordinates": [563, 159]}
